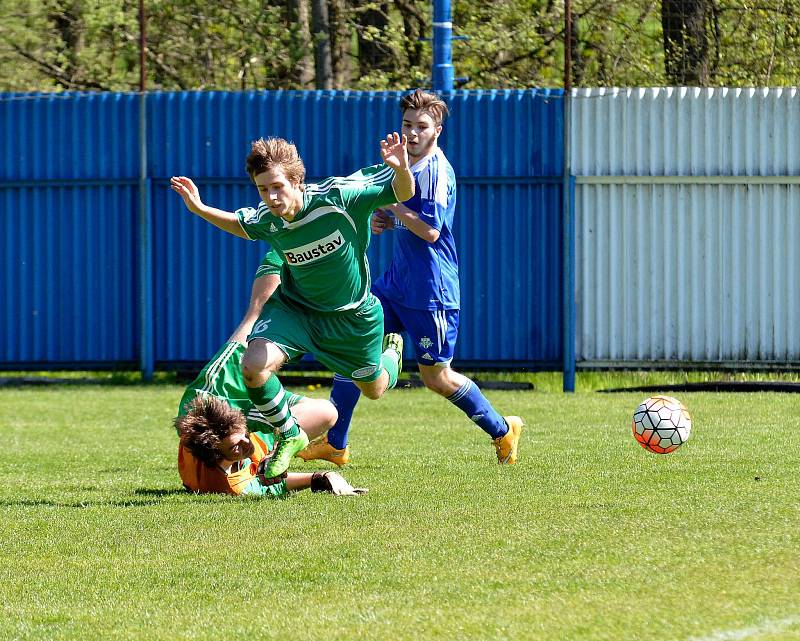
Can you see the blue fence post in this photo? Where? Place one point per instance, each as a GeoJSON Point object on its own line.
{"type": "Point", "coordinates": [569, 295]}
{"type": "Point", "coordinates": [568, 217]}
{"type": "Point", "coordinates": [146, 360]}
{"type": "Point", "coordinates": [443, 76]}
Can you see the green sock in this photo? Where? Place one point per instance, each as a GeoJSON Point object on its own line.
{"type": "Point", "coordinates": [293, 399]}
{"type": "Point", "coordinates": [391, 364]}
{"type": "Point", "coordinates": [271, 400]}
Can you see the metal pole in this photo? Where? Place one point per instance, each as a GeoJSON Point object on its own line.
{"type": "Point", "coordinates": [568, 214]}
{"type": "Point", "coordinates": [146, 364]}
{"type": "Point", "coordinates": [142, 45]}
{"type": "Point", "coordinates": [443, 73]}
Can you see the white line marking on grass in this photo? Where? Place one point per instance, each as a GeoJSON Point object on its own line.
{"type": "Point", "coordinates": [769, 626]}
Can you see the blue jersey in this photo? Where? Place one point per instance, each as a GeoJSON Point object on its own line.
{"type": "Point", "coordinates": [424, 275]}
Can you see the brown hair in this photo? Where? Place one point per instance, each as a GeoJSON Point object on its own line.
{"type": "Point", "coordinates": [428, 103]}
{"type": "Point", "coordinates": [208, 421]}
{"type": "Point", "coordinates": [267, 154]}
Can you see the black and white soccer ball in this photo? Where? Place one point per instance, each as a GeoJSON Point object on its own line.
{"type": "Point", "coordinates": [661, 424]}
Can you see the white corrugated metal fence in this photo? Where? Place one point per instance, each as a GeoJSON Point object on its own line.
{"type": "Point", "coordinates": [687, 205]}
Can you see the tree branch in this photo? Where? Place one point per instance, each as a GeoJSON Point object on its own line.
{"type": "Point", "coordinates": [151, 56]}
{"type": "Point", "coordinates": [55, 72]}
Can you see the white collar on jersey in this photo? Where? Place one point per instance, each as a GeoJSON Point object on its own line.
{"type": "Point", "coordinates": [418, 166]}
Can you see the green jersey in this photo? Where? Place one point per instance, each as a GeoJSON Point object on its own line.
{"type": "Point", "coordinates": [324, 248]}
{"type": "Point", "coordinates": [222, 377]}
{"type": "Point", "coordinates": [270, 264]}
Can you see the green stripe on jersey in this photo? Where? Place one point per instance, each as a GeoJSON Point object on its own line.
{"type": "Point", "coordinates": [221, 377]}
{"type": "Point", "coordinates": [270, 264]}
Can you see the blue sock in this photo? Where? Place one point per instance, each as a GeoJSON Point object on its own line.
{"type": "Point", "coordinates": [469, 399]}
{"type": "Point", "coordinates": [344, 396]}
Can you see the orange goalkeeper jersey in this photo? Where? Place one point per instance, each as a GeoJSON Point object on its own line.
{"type": "Point", "coordinates": [199, 477]}
{"type": "Point", "coordinates": [222, 377]}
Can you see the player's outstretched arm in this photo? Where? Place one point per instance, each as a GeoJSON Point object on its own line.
{"type": "Point", "coordinates": [263, 288]}
{"type": "Point", "coordinates": [395, 154]}
{"type": "Point", "coordinates": [330, 482]}
{"type": "Point", "coordinates": [225, 220]}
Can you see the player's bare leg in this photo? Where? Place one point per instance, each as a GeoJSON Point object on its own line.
{"type": "Point", "coordinates": [391, 366]}
{"type": "Point", "coordinates": [374, 389]}
{"type": "Point", "coordinates": [442, 379]}
{"type": "Point", "coordinates": [261, 360]}
{"type": "Point", "coordinates": [314, 416]}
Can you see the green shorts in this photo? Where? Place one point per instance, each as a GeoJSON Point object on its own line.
{"type": "Point", "coordinates": [349, 343]}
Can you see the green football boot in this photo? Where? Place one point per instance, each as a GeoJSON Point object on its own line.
{"type": "Point", "coordinates": [285, 449]}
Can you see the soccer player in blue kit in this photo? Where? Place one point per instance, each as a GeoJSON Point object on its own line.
{"type": "Point", "coordinates": [420, 290]}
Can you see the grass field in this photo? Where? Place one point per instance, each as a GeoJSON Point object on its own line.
{"type": "Point", "coordinates": [588, 538]}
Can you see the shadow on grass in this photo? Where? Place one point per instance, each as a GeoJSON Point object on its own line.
{"type": "Point", "coordinates": [160, 492]}
{"type": "Point", "coordinates": [149, 496]}
{"type": "Point", "coordinates": [115, 380]}
{"type": "Point", "coordinates": [713, 386]}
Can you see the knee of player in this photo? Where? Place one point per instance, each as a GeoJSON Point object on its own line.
{"type": "Point", "coordinates": [372, 392]}
{"type": "Point", "coordinates": [254, 375]}
{"type": "Point", "coordinates": [439, 380]}
{"type": "Point", "coordinates": [329, 415]}
{"type": "Point", "coordinates": [256, 370]}
{"type": "Point", "coordinates": [437, 387]}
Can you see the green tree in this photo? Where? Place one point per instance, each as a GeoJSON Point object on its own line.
{"type": "Point", "coordinates": [54, 45]}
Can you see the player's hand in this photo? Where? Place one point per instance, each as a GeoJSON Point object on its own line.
{"type": "Point", "coordinates": [394, 151]}
{"type": "Point", "coordinates": [335, 483]}
{"type": "Point", "coordinates": [381, 221]}
{"type": "Point", "coordinates": [187, 190]}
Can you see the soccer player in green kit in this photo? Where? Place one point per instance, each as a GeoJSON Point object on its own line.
{"type": "Point", "coordinates": [222, 442]}
{"type": "Point", "coordinates": [324, 305]}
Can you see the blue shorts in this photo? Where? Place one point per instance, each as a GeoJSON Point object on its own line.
{"type": "Point", "coordinates": [432, 331]}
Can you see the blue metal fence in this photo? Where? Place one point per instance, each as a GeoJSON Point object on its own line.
{"type": "Point", "coordinates": [69, 184]}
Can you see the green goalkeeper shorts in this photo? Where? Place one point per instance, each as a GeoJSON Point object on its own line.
{"type": "Point", "coordinates": [348, 343]}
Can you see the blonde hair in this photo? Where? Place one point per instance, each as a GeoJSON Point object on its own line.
{"type": "Point", "coordinates": [268, 154]}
